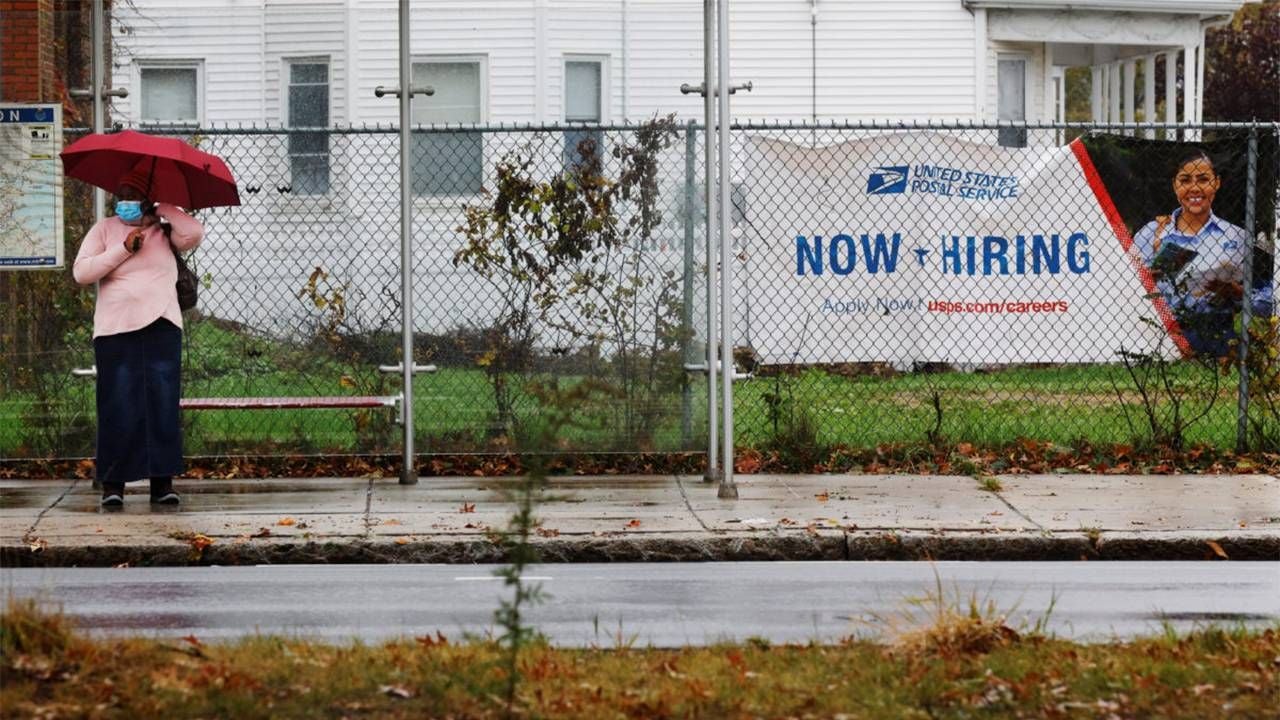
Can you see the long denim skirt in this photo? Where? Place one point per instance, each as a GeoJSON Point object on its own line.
{"type": "Point", "coordinates": [139, 384]}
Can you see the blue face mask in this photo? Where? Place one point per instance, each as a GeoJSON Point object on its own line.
{"type": "Point", "coordinates": [129, 210]}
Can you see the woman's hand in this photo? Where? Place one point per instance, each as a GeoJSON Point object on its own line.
{"type": "Point", "coordinates": [133, 243]}
{"type": "Point", "coordinates": [149, 215]}
{"type": "Point", "coordinates": [1162, 222]}
{"type": "Point", "coordinates": [1225, 293]}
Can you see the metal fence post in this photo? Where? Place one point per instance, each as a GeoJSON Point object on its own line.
{"type": "Point", "coordinates": [709, 150]}
{"type": "Point", "coordinates": [1246, 307]}
{"type": "Point", "coordinates": [409, 472]}
{"type": "Point", "coordinates": [686, 307]}
{"type": "Point", "coordinates": [728, 488]}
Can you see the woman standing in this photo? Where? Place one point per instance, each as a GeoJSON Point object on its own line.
{"type": "Point", "coordinates": [137, 339]}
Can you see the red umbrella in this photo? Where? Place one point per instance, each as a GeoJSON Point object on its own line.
{"type": "Point", "coordinates": [180, 174]}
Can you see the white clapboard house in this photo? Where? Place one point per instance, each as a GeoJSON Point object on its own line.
{"type": "Point", "coordinates": [316, 63]}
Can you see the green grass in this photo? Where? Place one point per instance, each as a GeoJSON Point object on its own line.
{"type": "Point", "coordinates": [454, 408]}
{"type": "Point", "coordinates": [961, 666]}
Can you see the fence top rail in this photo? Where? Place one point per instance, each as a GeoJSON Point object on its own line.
{"type": "Point", "coordinates": [886, 125]}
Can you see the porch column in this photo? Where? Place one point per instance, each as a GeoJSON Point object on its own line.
{"type": "Point", "coordinates": [1129, 70]}
{"type": "Point", "coordinates": [1050, 103]}
{"type": "Point", "coordinates": [1060, 115]}
{"type": "Point", "coordinates": [1200, 77]}
{"type": "Point", "coordinates": [1149, 92]}
{"type": "Point", "coordinates": [1113, 84]}
{"type": "Point", "coordinates": [1095, 93]}
{"type": "Point", "coordinates": [1189, 84]}
{"type": "Point", "coordinates": [1170, 90]}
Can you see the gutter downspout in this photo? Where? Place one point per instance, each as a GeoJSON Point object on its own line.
{"type": "Point", "coordinates": [262, 63]}
{"type": "Point", "coordinates": [626, 57]}
{"type": "Point", "coordinates": [979, 64]}
{"type": "Point", "coordinates": [539, 60]}
{"type": "Point", "coordinates": [351, 63]}
{"type": "Point", "coordinates": [813, 45]}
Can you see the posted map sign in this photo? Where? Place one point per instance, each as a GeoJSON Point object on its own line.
{"type": "Point", "coordinates": [30, 186]}
{"type": "Point", "coordinates": [921, 247]}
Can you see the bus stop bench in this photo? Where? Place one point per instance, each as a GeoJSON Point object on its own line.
{"type": "Point", "coordinates": [288, 403]}
{"type": "Point", "coordinates": [337, 402]}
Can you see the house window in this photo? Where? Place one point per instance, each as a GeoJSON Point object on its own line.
{"type": "Point", "coordinates": [169, 94]}
{"type": "Point", "coordinates": [308, 107]}
{"type": "Point", "coordinates": [448, 163]}
{"type": "Point", "coordinates": [1011, 88]}
{"type": "Point", "coordinates": [583, 103]}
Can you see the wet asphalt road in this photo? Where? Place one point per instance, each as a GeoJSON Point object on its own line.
{"type": "Point", "coordinates": [649, 604]}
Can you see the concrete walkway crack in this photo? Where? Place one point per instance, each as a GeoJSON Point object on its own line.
{"type": "Point", "coordinates": [689, 505]}
{"type": "Point", "coordinates": [1021, 514]}
{"type": "Point", "coordinates": [30, 535]}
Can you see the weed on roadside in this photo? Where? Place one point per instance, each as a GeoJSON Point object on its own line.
{"type": "Point", "coordinates": [974, 663]}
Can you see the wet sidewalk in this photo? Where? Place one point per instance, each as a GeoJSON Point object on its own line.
{"type": "Point", "coordinates": [651, 519]}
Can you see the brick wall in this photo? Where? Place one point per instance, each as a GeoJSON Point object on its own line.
{"type": "Point", "coordinates": [27, 66]}
{"type": "Point", "coordinates": [45, 51]}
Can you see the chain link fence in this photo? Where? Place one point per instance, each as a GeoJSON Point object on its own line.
{"type": "Point", "coordinates": [558, 255]}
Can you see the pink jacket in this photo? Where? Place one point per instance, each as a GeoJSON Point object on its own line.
{"type": "Point", "coordinates": [135, 290]}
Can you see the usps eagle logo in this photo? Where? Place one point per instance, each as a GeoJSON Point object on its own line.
{"type": "Point", "coordinates": [888, 180]}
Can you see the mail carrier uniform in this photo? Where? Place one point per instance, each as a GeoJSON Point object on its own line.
{"type": "Point", "coordinates": [1206, 321]}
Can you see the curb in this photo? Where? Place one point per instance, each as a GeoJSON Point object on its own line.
{"type": "Point", "coordinates": [852, 546]}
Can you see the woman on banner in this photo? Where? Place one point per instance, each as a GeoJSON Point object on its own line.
{"type": "Point", "coordinates": [137, 339]}
{"type": "Point", "coordinates": [1197, 260]}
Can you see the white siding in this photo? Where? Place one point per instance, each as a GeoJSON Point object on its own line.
{"type": "Point", "coordinates": [1033, 53]}
{"type": "Point", "coordinates": [584, 27]}
{"type": "Point", "coordinates": [302, 28]}
{"type": "Point", "coordinates": [665, 50]}
{"type": "Point", "coordinates": [225, 35]}
{"type": "Point", "coordinates": [500, 30]}
{"type": "Point", "coordinates": [899, 59]}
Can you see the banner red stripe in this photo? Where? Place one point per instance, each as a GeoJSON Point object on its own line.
{"type": "Point", "coordinates": [1126, 241]}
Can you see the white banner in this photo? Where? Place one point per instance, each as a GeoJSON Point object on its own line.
{"type": "Point", "coordinates": [917, 247]}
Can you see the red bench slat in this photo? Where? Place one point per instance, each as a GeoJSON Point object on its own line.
{"type": "Point", "coordinates": [281, 403]}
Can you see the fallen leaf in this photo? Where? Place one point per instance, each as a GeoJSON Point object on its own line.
{"type": "Point", "coordinates": [823, 496]}
{"type": "Point", "coordinates": [201, 541]}
{"type": "Point", "coordinates": [390, 522]}
{"type": "Point", "coordinates": [286, 521]}
{"type": "Point", "coordinates": [192, 640]}
{"type": "Point", "coordinates": [402, 541]}
{"type": "Point", "coordinates": [467, 507]}
{"type": "Point", "coordinates": [1217, 549]}
{"type": "Point", "coordinates": [395, 691]}
{"type": "Point", "coordinates": [547, 532]}
{"type": "Point", "coordinates": [633, 524]}
{"type": "Point", "coordinates": [429, 641]}
{"type": "Point", "coordinates": [262, 532]}
{"type": "Point", "coordinates": [37, 545]}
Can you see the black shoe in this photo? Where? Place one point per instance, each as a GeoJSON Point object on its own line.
{"type": "Point", "coordinates": [162, 492]}
{"type": "Point", "coordinates": [112, 495]}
